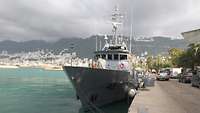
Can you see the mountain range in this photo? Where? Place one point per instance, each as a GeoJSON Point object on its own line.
{"type": "Point", "coordinates": [86, 47]}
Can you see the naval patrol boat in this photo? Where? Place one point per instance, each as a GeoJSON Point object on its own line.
{"type": "Point", "coordinates": [109, 79]}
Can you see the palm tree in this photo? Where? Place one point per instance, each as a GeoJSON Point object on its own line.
{"type": "Point", "coordinates": [194, 51]}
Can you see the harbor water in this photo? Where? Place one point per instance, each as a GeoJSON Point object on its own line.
{"type": "Point", "coordinates": [36, 91]}
{"type": "Point", "coordinates": [28, 90]}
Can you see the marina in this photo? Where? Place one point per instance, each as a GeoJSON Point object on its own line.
{"type": "Point", "coordinates": [107, 56]}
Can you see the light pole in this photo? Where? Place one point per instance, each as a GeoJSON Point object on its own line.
{"type": "Point", "coordinates": [71, 50]}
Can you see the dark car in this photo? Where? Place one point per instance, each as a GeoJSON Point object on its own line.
{"type": "Point", "coordinates": [196, 77]}
{"type": "Point", "coordinates": [185, 77]}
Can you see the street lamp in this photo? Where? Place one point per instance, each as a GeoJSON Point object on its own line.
{"type": "Point", "coordinates": [71, 50]}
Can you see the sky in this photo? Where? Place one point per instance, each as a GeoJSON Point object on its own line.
{"type": "Point", "coordinates": [22, 20]}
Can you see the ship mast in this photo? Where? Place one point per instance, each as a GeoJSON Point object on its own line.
{"type": "Point", "coordinates": [116, 21]}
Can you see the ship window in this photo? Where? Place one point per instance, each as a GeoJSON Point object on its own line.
{"type": "Point", "coordinates": [123, 57]}
{"type": "Point", "coordinates": [116, 56]}
{"type": "Point", "coordinates": [109, 56]}
{"type": "Point", "coordinates": [103, 56]}
{"type": "Point", "coordinates": [97, 56]}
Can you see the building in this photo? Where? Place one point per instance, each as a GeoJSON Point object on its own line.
{"type": "Point", "coordinates": [192, 36]}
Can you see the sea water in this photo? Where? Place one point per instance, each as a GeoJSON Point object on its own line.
{"type": "Point", "coordinates": [29, 90]}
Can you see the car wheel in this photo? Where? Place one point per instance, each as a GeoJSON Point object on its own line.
{"type": "Point", "coordinates": [184, 81]}
{"type": "Point", "coordinates": [192, 85]}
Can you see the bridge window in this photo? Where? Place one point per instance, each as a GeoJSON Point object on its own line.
{"type": "Point", "coordinates": [103, 56]}
{"type": "Point", "coordinates": [97, 56]}
{"type": "Point", "coordinates": [116, 56]}
{"type": "Point", "coordinates": [109, 56]}
{"type": "Point", "coordinates": [123, 57]}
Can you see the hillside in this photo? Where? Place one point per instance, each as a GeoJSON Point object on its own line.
{"type": "Point", "coordinates": [85, 47]}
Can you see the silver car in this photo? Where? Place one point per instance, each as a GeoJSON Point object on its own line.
{"type": "Point", "coordinates": [163, 75]}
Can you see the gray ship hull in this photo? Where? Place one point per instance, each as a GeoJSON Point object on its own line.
{"type": "Point", "coordinates": [98, 87]}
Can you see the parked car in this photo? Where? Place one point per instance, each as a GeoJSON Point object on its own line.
{"type": "Point", "coordinates": [174, 72]}
{"type": "Point", "coordinates": [163, 75]}
{"type": "Point", "coordinates": [140, 79]}
{"type": "Point", "coordinates": [196, 77]}
{"type": "Point", "coordinates": [186, 76]}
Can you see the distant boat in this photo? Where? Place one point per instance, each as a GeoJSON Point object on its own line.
{"type": "Point", "coordinates": [8, 66]}
{"type": "Point", "coordinates": [109, 78]}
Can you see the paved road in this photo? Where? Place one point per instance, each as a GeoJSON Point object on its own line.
{"type": "Point", "coordinates": [185, 96]}
{"type": "Point", "coordinates": [167, 97]}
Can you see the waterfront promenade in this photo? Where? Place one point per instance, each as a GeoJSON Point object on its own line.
{"type": "Point", "coordinates": [167, 97]}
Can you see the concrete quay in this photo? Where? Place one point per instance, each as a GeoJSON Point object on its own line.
{"type": "Point", "coordinates": [167, 97]}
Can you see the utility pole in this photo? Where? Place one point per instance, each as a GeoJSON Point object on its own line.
{"type": "Point", "coordinates": [131, 37]}
{"type": "Point", "coordinates": [71, 49]}
{"type": "Point", "coordinates": [96, 43]}
{"type": "Point", "coordinates": [100, 45]}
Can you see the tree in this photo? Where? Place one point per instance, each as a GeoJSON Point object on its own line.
{"type": "Point", "coordinates": [175, 54]}
{"type": "Point", "coordinates": [150, 62]}
{"type": "Point", "coordinates": [194, 53]}
{"type": "Point", "coordinates": [190, 57]}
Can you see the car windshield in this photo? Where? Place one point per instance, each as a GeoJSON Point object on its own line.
{"type": "Point", "coordinates": [189, 74]}
{"type": "Point", "coordinates": [163, 71]}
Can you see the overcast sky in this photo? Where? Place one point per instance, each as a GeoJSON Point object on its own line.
{"type": "Point", "coordinates": [54, 19]}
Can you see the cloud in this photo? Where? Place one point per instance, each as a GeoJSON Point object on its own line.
{"type": "Point", "coordinates": [169, 18]}
{"type": "Point", "coordinates": [53, 19]}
